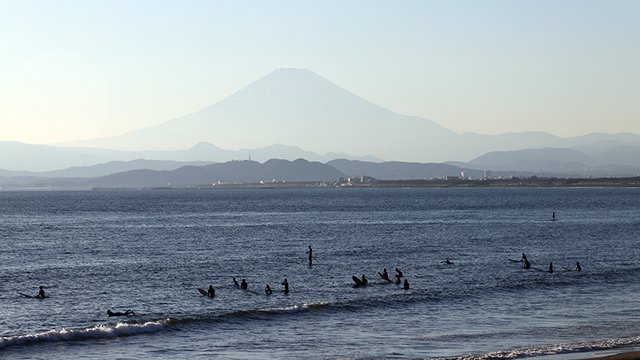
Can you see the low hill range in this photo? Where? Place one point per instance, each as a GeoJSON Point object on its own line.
{"type": "Point", "coordinates": [54, 161]}
{"type": "Point", "coordinates": [237, 172]}
{"type": "Point", "coordinates": [152, 174]}
{"type": "Point", "coordinates": [617, 161]}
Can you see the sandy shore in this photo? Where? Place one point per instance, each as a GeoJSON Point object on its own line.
{"type": "Point", "coordinates": [632, 355]}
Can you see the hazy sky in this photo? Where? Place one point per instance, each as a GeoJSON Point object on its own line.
{"type": "Point", "coordinates": [83, 69]}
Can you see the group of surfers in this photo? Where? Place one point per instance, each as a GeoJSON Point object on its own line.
{"type": "Point", "coordinates": [384, 275]}
{"type": "Point", "coordinates": [527, 265]}
{"type": "Point", "coordinates": [244, 286]}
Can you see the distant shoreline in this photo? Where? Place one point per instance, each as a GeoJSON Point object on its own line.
{"type": "Point", "coordinates": [515, 182]}
{"type": "Point", "coordinates": [629, 182]}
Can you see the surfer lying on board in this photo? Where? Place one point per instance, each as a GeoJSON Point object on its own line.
{"type": "Point", "coordinates": [384, 275]}
{"type": "Point", "coordinates": [120, 313]}
{"type": "Point", "coordinates": [447, 262]}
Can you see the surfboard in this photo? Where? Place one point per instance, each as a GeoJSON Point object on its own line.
{"type": "Point", "coordinates": [203, 292]}
{"type": "Point", "coordinates": [31, 296]}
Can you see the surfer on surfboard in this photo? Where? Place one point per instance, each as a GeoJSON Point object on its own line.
{"type": "Point", "coordinates": [120, 313]}
{"type": "Point", "coordinates": [384, 275]}
{"type": "Point", "coordinates": [243, 284]}
{"type": "Point", "coordinates": [406, 284]}
{"type": "Point", "coordinates": [358, 282]}
{"type": "Point", "coordinates": [41, 293]}
{"type": "Point", "coordinates": [577, 268]}
{"type": "Point", "coordinates": [285, 283]}
{"type": "Point", "coordinates": [211, 292]}
{"type": "Point", "coordinates": [398, 276]}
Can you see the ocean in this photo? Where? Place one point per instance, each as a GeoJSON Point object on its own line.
{"type": "Point", "coordinates": [150, 250]}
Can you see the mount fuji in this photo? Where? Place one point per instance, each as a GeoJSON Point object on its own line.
{"type": "Point", "coordinates": [296, 107]}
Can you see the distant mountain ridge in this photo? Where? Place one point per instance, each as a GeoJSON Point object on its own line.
{"type": "Point", "coordinates": [241, 172]}
{"type": "Point", "coordinates": [25, 159]}
{"type": "Point", "coordinates": [618, 161]}
{"type": "Point", "coordinates": [245, 171]}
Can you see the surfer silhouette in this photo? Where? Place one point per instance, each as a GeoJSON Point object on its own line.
{"type": "Point", "coordinates": [211, 292]}
{"type": "Point", "coordinates": [553, 216]}
{"type": "Point", "coordinates": [120, 313]}
{"type": "Point", "coordinates": [526, 264]}
{"type": "Point", "coordinates": [41, 293]}
{"type": "Point", "coordinates": [364, 280]}
{"type": "Point", "coordinates": [578, 267]}
{"type": "Point", "coordinates": [285, 283]}
{"type": "Point", "coordinates": [524, 257]}
{"type": "Point", "coordinates": [310, 252]}
{"type": "Point", "coordinates": [406, 284]}
{"type": "Point", "coordinates": [267, 290]}
{"type": "Point", "coordinates": [550, 270]}
{"type": "Point", "coordinates": [447, 262]}
{"type": "Point", "coordinates": [398, 276]}
{"type": "Point", "coordinates": [243, 284]}
{"type": "Point", "coordinates": [384, 275]}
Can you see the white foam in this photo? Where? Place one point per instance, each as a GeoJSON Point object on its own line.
{"type": "Point", "coordinates": [98, 331]}
{"type": "Point", "coordinates": [292, 308]}
{"type": "Point", "coordinates": [552, 349]}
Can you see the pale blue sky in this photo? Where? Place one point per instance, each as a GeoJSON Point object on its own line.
{"type": "Point", "coordinates": [83, 69]}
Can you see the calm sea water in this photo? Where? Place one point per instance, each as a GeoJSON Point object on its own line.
{"type": "Point", "coordinates": [149, 251]}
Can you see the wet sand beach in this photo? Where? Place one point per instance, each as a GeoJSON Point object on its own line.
{"type": "Point", "coordinates": [630, 355]}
